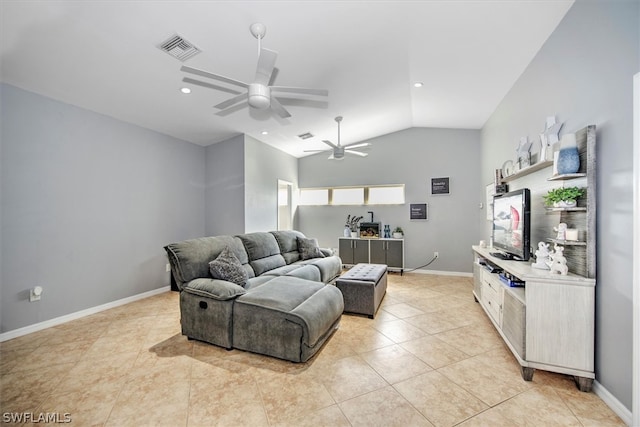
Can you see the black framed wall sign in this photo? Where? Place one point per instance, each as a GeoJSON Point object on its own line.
{"type": "Point", "coordinates": [418, 211]}
{"type": "Point", "coordinates": [440, 185]}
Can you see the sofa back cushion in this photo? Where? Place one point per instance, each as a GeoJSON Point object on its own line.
{"type": "Point", "coordinates": [288, 243]}
{"type": "Point", "coordinates": [263, 251]}
{"type": "Point", "coordinates": [190, 259]}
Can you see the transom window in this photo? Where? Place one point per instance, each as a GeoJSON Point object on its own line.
{"type": "Point", "coordinates": [360, 195]}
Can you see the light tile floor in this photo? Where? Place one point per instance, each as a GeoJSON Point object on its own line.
{"type": "Point", "coordinates": [430, 358]}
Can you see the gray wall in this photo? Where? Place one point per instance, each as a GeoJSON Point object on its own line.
{"type": "Point", "coordinates": [264, 166]}
{"type": "Point", "coordinates": [584, 75]}
{"type": "Point", "coordinates": [411, 157]}
{"type": "Point", "coordinates": [88, 202]}
{"type": "Point", "coordinates": [242, 185]}
{"type": "Point", "coordinates": [224, 196]}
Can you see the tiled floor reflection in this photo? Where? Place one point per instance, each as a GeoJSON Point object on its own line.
{"type": "Point", "coordinates": [429, 358]}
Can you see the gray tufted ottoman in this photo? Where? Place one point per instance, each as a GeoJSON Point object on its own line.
{"type": "Point", "coordinates": [363, 288]}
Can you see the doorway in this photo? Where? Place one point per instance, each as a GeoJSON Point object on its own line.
{"type": "Point", "coordinates": [285, 216]}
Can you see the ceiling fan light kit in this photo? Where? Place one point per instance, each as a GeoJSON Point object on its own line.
{"type": "Point", "coordinates": [259, 92]}
{"type": "Point", "coordinates": [259, 96]}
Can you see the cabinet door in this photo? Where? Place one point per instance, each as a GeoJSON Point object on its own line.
{"type": "Point", "coordinates": [378, 251]}
{"type": "Point", "coordinates": [395, 256]}
{"type": "Point", "coordinates": [560, 324]}
{"type": "Point", "coordinates": [345, 249]}
{"type": "Point", "coordinates": [360, 251]}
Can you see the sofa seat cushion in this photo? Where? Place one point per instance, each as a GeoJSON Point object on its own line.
{"type": "Point", "coordinates": [280, 315]}
{"type": "Point", "coordinates": [330, 267]}
{"type": "Point", "coordinates": [214, 288]}
{"type": "Point", "coordinates": [302, 271]}
{"type": "Point", "coordinates": [281, 271]}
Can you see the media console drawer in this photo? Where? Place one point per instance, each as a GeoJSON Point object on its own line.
{"type": "Point", "coordinates": [492, 296]}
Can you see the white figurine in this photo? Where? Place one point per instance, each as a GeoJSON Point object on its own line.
{"type": "Point", "coordinates": [562, 231]}
{"type": "Point", "coordinates": [558, 261]}
{"type": "Point", "coordinates": [542, 256]}
{"type": "Point", "coordinates": [548, 138]}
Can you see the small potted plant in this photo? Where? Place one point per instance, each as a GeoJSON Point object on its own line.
{"type": "Point", "coordinates": [398, 233]}
{"type": "Point", "coordinates": [353, 223]}
{"type": "Point", "coordinates": [563, 197]}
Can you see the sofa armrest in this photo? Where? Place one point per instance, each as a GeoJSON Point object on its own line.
{"type": "Point", "coordinates": [214, 288]}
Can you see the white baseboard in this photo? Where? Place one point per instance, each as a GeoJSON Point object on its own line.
{"type": "Point", "coordinates": [612, 402]}
{"type": "Point", "coordinates": [78, 314]}
{"type": "Point", "coordinates": [440, 273]}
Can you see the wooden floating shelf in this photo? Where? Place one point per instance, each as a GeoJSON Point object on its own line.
{"type": "Point", "coordinates": [567, 242]}
{"type": "Point", "coordinates": [526, 171]}
{"type": "Point", "coordinates": [566, 176]}
{"type": "Point", "coordinates": [574, 209]}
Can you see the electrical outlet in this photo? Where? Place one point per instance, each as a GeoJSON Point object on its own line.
{"type": "Point", "coordinates": [167, 267]}
{"type": "Point", "coordinates": [35, 294]}
{"type": "Point", "coordinates": [436, 254]}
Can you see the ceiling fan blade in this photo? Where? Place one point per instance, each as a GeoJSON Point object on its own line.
{"type": "Point", "coordinates": [315, 151]}
{"type": "Point", "coordinates": [306, 91]}
{"type": "Point", "coordinates": [232, 101]}
{"type": "Point", "coordinates": [329, 143]}
{"type": "Point", "coordinates": [266, 63]}
{"type": "Point", "coordinates": [209, 85]}
{"type": "Point", "coordinates": [278, 108]}
{"type": "Point", "coordinates": [233, 109]}
{"type": "Point", "coordinates": [357, 153]}
{"type": "Point", "coordinates": [357, 145]}
{"type": "Point", "coordinates": [207, 74]}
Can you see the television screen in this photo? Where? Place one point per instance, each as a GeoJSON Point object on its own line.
{"type": "Point", "coordinates": [511, 229]}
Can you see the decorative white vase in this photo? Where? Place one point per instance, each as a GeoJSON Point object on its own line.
{"type": "Point", "coordinates": [347, 232]}
{"type": "Point", "coordinates": [354, 234]}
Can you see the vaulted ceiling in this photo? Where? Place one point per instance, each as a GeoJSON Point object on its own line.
{"type": "Point", "coordinates": [104, 56]}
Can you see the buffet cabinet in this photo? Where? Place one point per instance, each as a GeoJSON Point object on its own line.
{"type": "Point", "coordinates": [373, 251]}
{"type": "Point", "coordinates": [547, 321]}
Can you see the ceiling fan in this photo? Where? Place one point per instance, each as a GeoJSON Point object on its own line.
{"type": "Point", "coordinates": [338, 151]}
{"type": "Point", "coordinates": [258, 93]}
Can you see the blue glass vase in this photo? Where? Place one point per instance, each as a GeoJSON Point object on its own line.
{"type": "Point", "coordinates": [568, 160]}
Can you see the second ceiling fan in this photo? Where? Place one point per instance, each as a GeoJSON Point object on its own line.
{"type": "Point", "coordinates": [338, 151]}
{"type": "Point", "coordinates": [259, 93]}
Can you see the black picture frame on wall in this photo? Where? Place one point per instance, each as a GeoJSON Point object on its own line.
{"type": "Point", "coordinates": [440, 185]}
{"type": "Point", "coordinates": [418, 211]}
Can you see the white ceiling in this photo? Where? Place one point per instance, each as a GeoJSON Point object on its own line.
{"type": "Point", "coordinates": [103, 56]}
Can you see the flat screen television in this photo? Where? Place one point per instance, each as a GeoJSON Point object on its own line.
{"type": "Point", "coordinates": [511, 224]}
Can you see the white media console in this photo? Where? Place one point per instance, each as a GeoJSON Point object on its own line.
{"type": "Point", "coordinates": [548, 324]}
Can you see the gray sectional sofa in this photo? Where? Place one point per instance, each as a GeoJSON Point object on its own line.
{"type": "Point", "coordinates": [262, 292]}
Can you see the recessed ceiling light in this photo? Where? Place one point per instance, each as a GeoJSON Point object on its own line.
{"type": "Point", "coordinates": [417, 84]}
{"type": "Point", "coordinates": [185, 90]}
{"type": "Point", "coordinates": [264, 132]}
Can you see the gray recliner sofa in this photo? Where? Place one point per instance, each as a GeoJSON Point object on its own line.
{"type": "Point", "coordinates": [284, 309]}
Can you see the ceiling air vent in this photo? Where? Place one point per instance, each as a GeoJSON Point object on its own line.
{"type": "Point", "coordinates": [306, 135]}
{"type": "Point", "coordinates": [179, 48]}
